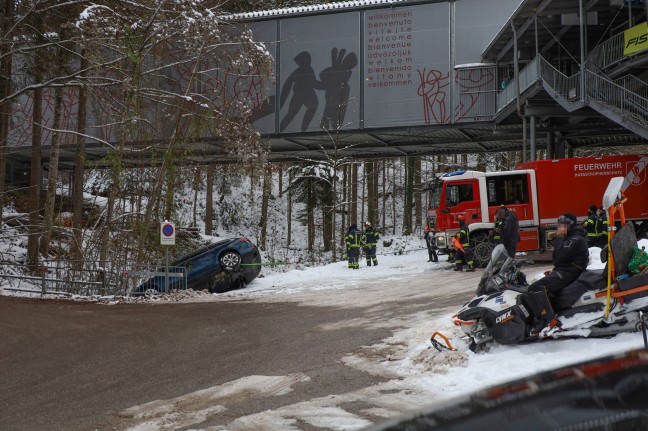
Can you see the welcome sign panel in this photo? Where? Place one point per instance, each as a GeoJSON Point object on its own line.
{"type": "Point", "coordinates": [407, 64]}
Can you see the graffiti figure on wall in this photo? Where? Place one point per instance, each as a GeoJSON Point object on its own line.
{"type": "Point", "coordinates": [472, 87]}
{"type": "Point", "coordinates": [335, 80]}
{"type": "Point", "coordinates": [433, 92]}
{"type": "Point", "coordinates": [302, 82]}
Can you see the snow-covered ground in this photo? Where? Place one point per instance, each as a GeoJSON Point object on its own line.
{"type": "Point", "coordinates": [418, 375]}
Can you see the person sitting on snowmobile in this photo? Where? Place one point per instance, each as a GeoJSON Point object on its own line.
{"type": "Point", "coordinates": [570, 258]}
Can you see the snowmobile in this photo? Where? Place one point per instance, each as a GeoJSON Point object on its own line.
{"type": "Point", "coordinates": [501, 311]}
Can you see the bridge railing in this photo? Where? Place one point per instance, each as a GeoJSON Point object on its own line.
{"type": "Point", "coordinates": [528, 76]}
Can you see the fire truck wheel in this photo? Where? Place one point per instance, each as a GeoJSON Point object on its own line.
{"type": "Point", "coordinates": [482, 249]}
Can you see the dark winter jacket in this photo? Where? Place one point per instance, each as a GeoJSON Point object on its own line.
{"type": "Point", "coordinates": [590, 225]}
{"type": "Point", "coordinates": [371, 237]}
{"type": "Point", "coordinates": [571, 254]}
{"type": "Point", "coordinates": [509, 235]}
{"type": "Point", "coordinates": [464, 236]}
{"type": "Point", "coordinates": [353, 238]}
{"type": "Point", "coordinates": [602, 225]}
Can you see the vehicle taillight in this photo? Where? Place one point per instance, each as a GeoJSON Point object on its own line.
{"type": "Point", "coordinates": [244, 240]}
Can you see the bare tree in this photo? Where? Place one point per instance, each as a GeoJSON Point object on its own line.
{"type": "Point", "coordinates": [6, 57]}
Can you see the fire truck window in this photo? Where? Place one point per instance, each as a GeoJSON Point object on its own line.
{"type": "Point", "coordinates": [507, 190]}
{"type": "Point", "coordinates": [459, 193]}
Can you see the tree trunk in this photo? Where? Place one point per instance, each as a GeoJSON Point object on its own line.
{"type": "Point", "coordinates": [52, 177]}
{"type": "Point", "coordinates": [364, 196]}
{"type": "Point", "coordinates": [373, 214]}
{"type": "Point", "coordinates": [354, 195]}
{"type": "Point", "coordinates": [369, 173]}
{"type": "Point", "coordinates": [209, 202]}
{"type": "Point", "coordinates": [394, 198]}
{"type": "Point", "coordinates": [79, 173]}
{"type": "Point", "coordinates": [289, 212]}
{"type": "Point", "coordinates": [409, 195]}
{"type": "Point", "coordinates": [5, 89]}
{"type": "Point", "coordinates": [343, 204]}
{"type": "Point", "coordinates": [267, 191]}
{"type": "Point", "coordinates": [334, 208]}
{"type": "Point", "coordinates": [35, 178]}
{"type": "Point", "coordinates": [481, 162]}
{"type": "Point", "coordinates": [418, 205]}
{"type": "Point", "coordinates": [196, 187]}
{"type": "Point", "coordinates": [169, 196]}
{"type": "Point", "coordinates": [327, 229]}
{"type": "Point", "coordinates": [310, 208]}
{"type": "Point", "coordinates": [384, 192]}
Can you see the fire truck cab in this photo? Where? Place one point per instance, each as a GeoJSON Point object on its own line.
{"type": "Point", "coordinates": [477, 196]}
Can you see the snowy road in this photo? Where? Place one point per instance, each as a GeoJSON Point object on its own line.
{"type": "Point", "coordinates": [322, 348]}
{"type": "Point", "coordinates": [400, 291]}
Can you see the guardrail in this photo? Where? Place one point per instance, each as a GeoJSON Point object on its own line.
{"type": "Point", "coordinates": [62, 277]}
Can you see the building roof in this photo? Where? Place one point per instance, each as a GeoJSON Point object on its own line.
{"type": "Point", "coordinates": [323, 8]}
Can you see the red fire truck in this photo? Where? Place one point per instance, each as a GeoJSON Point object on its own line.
{"type": "Point", "coordinates": [538, 192]}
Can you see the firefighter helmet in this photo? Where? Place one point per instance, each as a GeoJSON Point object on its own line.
{"type": "Point", "coordinates": [461, 217]}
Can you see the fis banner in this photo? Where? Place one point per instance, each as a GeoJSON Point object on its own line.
{"type": "Point", "coordinates": [635, 39]}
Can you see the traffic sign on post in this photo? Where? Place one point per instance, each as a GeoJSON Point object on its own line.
{"type": "Point", "coordinates": [167, 233]}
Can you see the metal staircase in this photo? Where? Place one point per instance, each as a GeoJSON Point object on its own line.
{"type": "Point", "coordinates": [624, 100]}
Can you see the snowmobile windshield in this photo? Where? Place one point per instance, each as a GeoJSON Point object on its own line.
{"type": "Point", "coordinates": [499, 261]}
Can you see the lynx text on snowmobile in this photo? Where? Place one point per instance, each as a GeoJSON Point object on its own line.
{"type": "Point", "coordinates": [501, 313]}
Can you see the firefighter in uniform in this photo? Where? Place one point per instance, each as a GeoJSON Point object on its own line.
{"type": "Point", "coordinates": [463, 254]}
{"type": "Point", "coordinates": [353, 243]}
{"type": "Point", "coordinates": [590, 227]}
{"type": "Point", "coordinates": [431, 247]}
{"type": "Point", "coordinates": [506, 230]}
{"type": "Point", "coordinates": [602, 227]}
{"type": "Point", "coordinates": [497, 229]}
{"type": "Point", "coordinates": [370, 241]}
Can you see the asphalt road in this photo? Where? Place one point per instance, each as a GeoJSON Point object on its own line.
{"type": "Point", "coordinates": [78, 366]}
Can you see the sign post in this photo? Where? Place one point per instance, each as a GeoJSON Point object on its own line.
{"type": "Point", "coordinates": [167, 237]}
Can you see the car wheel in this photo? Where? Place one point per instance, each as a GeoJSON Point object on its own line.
{"type": "Point", "coordinates": [231, 261]}
{"type": "Point", "coordinates": [152, 291]}
{"type": "Point", "coordinates": [482, 249]}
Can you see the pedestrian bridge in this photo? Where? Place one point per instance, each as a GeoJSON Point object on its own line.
{"type": "Point", "coordinates": [378, 79]}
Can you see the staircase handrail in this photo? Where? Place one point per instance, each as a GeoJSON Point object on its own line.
{"type": "Point", "coordinates": [634, 84]}
{"type": "Point", "coordinates": [627, 103]}
{"type": "Point", "coordinates": [607, 53]}
{"type": "Point", "coordinates": [567, 87]}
